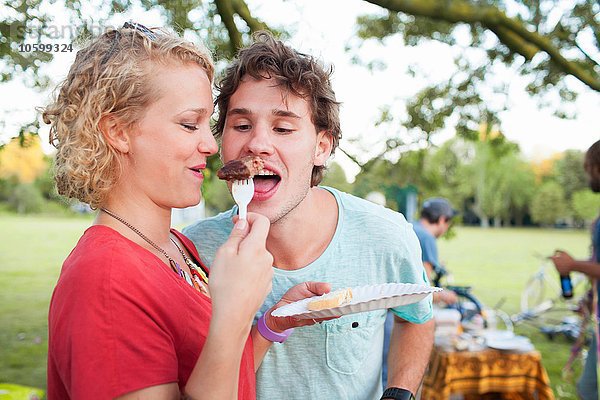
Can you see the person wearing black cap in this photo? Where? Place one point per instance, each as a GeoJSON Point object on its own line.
{"type": "Point", "coordinates": [436, 216]}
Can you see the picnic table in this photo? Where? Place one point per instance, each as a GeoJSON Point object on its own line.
{"type": "Point", "coordinates": [500, 374]}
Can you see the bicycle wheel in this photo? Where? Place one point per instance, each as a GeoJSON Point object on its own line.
{"type": "Point", "coordinates": [540, 292]}
{"type": "Point", "coordinates": [468, 305]}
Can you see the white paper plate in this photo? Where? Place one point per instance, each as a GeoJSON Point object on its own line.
{"type": "Point", "coordinates": [492, 334]}
{"type": "Point", "coordinates": [364, 298]}
{"type": "Point", "coordinates": [517, 343]}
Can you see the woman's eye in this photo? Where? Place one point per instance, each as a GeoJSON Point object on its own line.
{"type": "Point", "coordinates": [189, 127]}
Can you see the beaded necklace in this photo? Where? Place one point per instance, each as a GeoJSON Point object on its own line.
{"type": "Point", "coordinates": [198, 279]}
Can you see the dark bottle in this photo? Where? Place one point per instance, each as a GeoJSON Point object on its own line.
{"type": "Point", "coordinates": [566, 286]}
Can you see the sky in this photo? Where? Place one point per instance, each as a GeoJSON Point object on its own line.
{"type": "Point", "coordinates": [324, 29]}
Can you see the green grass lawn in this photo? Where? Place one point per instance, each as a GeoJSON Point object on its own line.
{"type": "Point", "coordinates": [496, 262]}
{"type": "Point", "coordinates": [31, 252]}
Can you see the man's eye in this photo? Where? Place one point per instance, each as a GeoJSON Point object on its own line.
{"type": "Point", "coordinates": [242, 127]}
{"type": "Point", "coordinates": [283, 131]}
{"type": "Point", "coordinates": [189, 127]}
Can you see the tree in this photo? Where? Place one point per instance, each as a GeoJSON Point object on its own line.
{"type": "Point", "coordinates": [380, 174]}
{"type": "Point", "coordinates": [548, 204]}
{"type": "Point", "coordinates": [45, 181]}
{"type": "Point", "coordinates": [507, 190]}
{"type": "Point", "coordinates": [225, 25]}
{"type": "Point", "coordinates": [545, 170]}
{"type": "Point", "coordinates": [585, 205]}
{"type": "Point", "coordinates": [23, 159]}
{"type": "Point", "coordinates": [521, 188]}
{"type": "Point", "coordinates": [524, 36]}
{"type": "Point", "coordinates": [336, 177]}
{"type": "Point", "coordinates": [531, 31]}
{"type": "Point", "coordinates": [544, 41]}
{"type": "Point", "coordinates": [490, 174]}
{"type": "Point", "coordinates": [569, 172]}
{"type": "Point", "coordinates": [215, 191]}
{"type": "Point", "coordinates": [26, 198]}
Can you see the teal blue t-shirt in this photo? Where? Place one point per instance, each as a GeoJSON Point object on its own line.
{"type": "Point", "coordinates": [337, 359]}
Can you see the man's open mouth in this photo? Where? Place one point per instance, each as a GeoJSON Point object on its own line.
{"type": "Point", "coordinates": [265, 181]}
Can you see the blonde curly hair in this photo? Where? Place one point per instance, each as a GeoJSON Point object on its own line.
{"type": "Point", "coordinates": [110, 76]}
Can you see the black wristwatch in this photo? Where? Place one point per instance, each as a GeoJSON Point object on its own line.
{"type": "Point", "coordinates": [395, 393]}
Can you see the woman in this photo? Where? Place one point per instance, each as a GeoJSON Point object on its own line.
{"type": "Point", "coordinates": [131, 315]}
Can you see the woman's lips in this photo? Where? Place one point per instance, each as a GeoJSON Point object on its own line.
{"type": "Point", "coordinates": [197, 174]}
{"type": "Point", "coordinates": [197, 171]}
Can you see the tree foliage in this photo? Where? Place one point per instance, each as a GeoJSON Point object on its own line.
{"type": "Point", "coordinates": [546, 42]}
{"type": "Point", "coordinates": [547, 205]}
{"type": "Point", "coordinates": [224, 25]}
{"type": "Point", "coordinates": [24, 160]}
{"type": "Point", "coordinates": [25, 199]}
{"type": "Point", "coordinates": [569, 172]}
{"type": "Point", "coordinates": [523, 31]}
{"type": "Point", "coordinates": [550, 44]}
{"type": "Point", "coordinates": [336, 177]}
{"type": "Point", "coordinates": [20, 19]}
{"type": "Point", "coordinates": [585, 205]}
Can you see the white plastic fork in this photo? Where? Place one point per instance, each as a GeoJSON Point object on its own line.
{"type": "Point", "coordinates": [242, 192]}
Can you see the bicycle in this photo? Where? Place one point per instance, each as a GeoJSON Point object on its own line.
{"type": "Point", "coordinates": [543, 306]}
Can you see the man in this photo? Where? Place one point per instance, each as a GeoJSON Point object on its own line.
{"type": "Point", "coordinates": [434, 222]}
{"type": "Point", "coordinates": [587, 386]}
{"type": "Point", "coordinates": [278, 104]}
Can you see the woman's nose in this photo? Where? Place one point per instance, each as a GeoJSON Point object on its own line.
{"type": "Point", "coordinates": [207, 145]}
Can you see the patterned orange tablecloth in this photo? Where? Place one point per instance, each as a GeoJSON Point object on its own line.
{"type": "Point", "coordinates": [516, 376]}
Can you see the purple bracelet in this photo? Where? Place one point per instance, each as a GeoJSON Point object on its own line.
{"type": "Point", "coordinates": [268, 334]}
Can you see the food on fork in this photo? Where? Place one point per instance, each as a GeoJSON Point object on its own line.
{"type": "Point", "coordinates": [331, 300]}
{"type": "Point", "coordinates": [241, 169]}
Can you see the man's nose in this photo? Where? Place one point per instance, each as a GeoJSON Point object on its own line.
{"type": "Point", "coordinates": [260, 141]}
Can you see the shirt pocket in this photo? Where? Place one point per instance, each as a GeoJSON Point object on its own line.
{"type": "Point", "coordinates": [349, 339]}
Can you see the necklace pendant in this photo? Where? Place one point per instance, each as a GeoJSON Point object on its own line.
{"type": "Point", "coordinates": [199, 271]}
{"type": "Point", "coordinates": [200, 286]}
{"type": "Point", "coordinates": [175, 267]}
{"type": "Point", "coordinates": [188, 279]}
{"type": "Point", "coordinates": [204, 289]}
{"type": "Point", "coordinates": [203, 276]}
{"type": "Point", "coordinates": [190, 263]}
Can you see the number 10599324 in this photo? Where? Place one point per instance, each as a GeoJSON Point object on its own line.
{"type": "Point", "coordinates": [46, 47]}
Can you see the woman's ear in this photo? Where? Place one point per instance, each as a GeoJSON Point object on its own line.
{"type": "Point", "coordinates": [323, 147]}
{"type": "Point", "coordinates": [114, 134]}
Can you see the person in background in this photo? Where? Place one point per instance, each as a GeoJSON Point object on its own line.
{"type": "Point", "coordinates": [278, 104]}
{"type": "Point", "coordinates": [133, 314]}
{"type": "Point", "coordinates": [587, 386]}
{"type": "Point", "coordinates": [434, 221]}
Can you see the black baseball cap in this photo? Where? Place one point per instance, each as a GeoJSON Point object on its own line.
{"type": "Point", "coordinates": [437, 207]}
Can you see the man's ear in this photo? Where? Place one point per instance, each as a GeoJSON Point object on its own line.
{"type": "Point", "coordinates": [323, 147]}
{"type": "Point", "coordinates": [114, 133]}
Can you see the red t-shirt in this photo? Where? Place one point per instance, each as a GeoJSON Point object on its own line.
{"type": "Point", "coordinates": [121, 320]}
